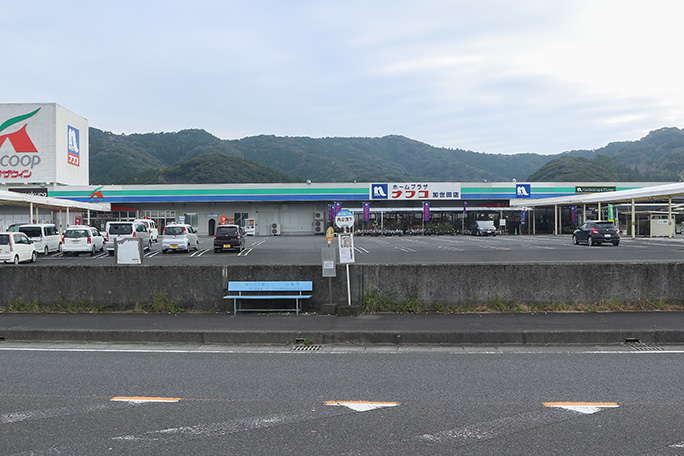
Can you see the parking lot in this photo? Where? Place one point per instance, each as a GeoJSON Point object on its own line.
{"type": "Point", "coordinates": [407, 250]}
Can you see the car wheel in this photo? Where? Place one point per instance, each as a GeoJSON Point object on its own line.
{"type": "Point", "coordinates": [92, 251]}
{"type": "Point", "coordinates": [590, 241]}
{"type": "Point", "coordinates": [47, 250]}
{"type": "Point", "coordinates": [574, 240]}
{"type": "Point", "coordinates": [34, 256]}
{"type": "Point", "coordinates": [16, 259]}
{"type": "Point", "coordinates": [197, 246]}
{"type": "Point", "coordinates": [149, 245]}
{"type": "Point", "coordinates": [216, 250]}
{"type": "Point", "coordinates": [616, 243]}
{"type": "Point", "coordinates": [164, 251]}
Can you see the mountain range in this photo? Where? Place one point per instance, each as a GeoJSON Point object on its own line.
{"type": "Point", "coordinates": [196, 156]}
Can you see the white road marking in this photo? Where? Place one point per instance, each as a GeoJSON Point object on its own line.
{"type": "Point", "coordinates": [144, 399]}
{"type": "Point", "coordinates": [362, 406]}
{"type": "Point", "coordinates": [404, 249]}
{"type": "Point", "coordinates": [330, 349]}
{"type": "Point", "coordinates": [361, 250]}
{"type": "Point", "coordinates": [493, 429]}
{"type": "Point", "coordinates": [582, 407]}
{"type": "Point", "coordinates": [31, 415]}
{"type": "Point", "coordinates": [245, 252]}
{"type": "Point", "coordinates": [227, 427]}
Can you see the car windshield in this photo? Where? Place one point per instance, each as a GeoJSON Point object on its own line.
{"type": "Point", "coordinates": [76, 234]}
{"type": "Point", "coordinates": [605, 225]}
{"type": "Point", "coordinates": [121, 228]}
{"type": "Point", "coordinates": [227, 230]}
{"type": "Point", "coordinates": [4, 239]}
{"type": "Point", "coordinates": [485, 224]}
{"type": "Point", "coordinates": [30, 231]}
{"type": "Point", "coordinates": [174, 230]}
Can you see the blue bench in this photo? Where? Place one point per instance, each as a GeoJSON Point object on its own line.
{"type": "Point", "coordinates": [268, 290]}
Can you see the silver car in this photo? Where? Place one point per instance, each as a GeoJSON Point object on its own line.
{"type": "Point", "coordinates": [84, 239]}
{"type": "Point", "coordinates": [116, 230]}
{"type": "Point", "coordinates": [179, 236]}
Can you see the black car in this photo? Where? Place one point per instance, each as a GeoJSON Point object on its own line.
{"type": "Point", "coordinates": [596, 232]}
{"type": "Point", "coordinates": [229, 237]}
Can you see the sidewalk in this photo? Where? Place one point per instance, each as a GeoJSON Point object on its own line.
{"type": "Point", "coordinates": [538, 328]}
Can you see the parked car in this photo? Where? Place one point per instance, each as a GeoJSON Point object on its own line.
{"type": "Point", "coordinates": [151, 228]}
{"type": "Point", "coordinates": [16, 247]}
{"type": "Point", "coordinates": [229, 237]}
{"type": "Point", "coordinates": [596, 232]}
{"type": "Point", "coordinates": [80, 238]}
{"type": "Point", "coordinates": [483, 228]}
{"type": "Point", "coordinates": [179, 236]}
{"type": "Point", "coordinates": [134, 229]}
{"type": "Point", "coordinates": [45, 236]}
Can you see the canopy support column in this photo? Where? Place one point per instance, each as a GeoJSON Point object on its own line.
{"type": "Point", "coordinates": [669, 217]}
{"type": "Point", "coordinates": [555, 219]}
{"type": "Point", "coordinates": [633, 222]}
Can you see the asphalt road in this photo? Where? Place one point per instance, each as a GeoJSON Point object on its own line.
{"type": "Point", "coordinates": [409, 250]}
{"type": "Point", "coordinates": [145, 400]}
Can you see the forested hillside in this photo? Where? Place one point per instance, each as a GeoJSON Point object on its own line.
{"type": "Point", "coordinates": [195, 156]}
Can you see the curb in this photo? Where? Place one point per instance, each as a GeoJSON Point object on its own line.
{"type": "Point", "coordinates": [237, 337]}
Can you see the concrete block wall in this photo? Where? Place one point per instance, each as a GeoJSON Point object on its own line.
{"type": "Point", "coordinates": [201, 288]}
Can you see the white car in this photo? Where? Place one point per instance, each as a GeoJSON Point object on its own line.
{"type": "Point", "coordinates": [179, 236]}
{"type": "Point", "coordinates": [82, 239]}
{"type": "Point", "coordinates": [16, 247]}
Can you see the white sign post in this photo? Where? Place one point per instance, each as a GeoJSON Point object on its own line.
{"type": "Point", "coordinates": [345, 221]}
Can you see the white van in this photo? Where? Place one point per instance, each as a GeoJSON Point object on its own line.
{"type": "Point", "coordinates": [45, 236]}
{"type": "Point", "coordinates": [133, 229]}
{"type": "Point", "coordinates": [151, 228]}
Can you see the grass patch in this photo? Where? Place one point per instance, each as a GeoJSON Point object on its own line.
{"type": "Point", "coordinates": [375, 302]}
{"type": "Point", "coordinates": [161, 304]}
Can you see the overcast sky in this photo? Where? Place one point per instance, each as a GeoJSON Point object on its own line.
{"type": "Point", "coordinates": [496, 76]}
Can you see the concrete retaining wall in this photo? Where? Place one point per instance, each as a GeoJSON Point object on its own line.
{"type": "Point", "coordinates": [202, 287]}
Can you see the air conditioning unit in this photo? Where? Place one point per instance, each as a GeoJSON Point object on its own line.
{"type": "Point", "coordinates": [318, 215]}
{"type": "Point", "coordinates": [318, 226]}
{"type": "Point", "coordinates": [275, 229]}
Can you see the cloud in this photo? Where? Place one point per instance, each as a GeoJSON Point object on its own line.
{"type": "Point", "coordinates": [493, 75]}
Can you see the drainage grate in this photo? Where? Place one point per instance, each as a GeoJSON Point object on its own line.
{"type": "Point", "coordinates": [635, 344]}
{"type": "Point", "coordinates": [306, 347]}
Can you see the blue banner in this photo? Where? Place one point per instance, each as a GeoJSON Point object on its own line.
{"type": "Point", "coordinates": [426, 211]}
{"type": "Point", "coordinates": [366, 212]}
{"type": "Point", "coordinates": [523, 218]}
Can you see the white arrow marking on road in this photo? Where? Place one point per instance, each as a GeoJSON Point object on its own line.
{"type": "Point", "coordinates": [362, 406]}
{"type": "Point", "coordinates": [582, 407]}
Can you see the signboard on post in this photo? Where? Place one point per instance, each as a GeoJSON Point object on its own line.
{"type": "Point", "coordinates": [345, 220]}
{"type": "Point", "coordinates": [330, 235]}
